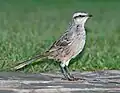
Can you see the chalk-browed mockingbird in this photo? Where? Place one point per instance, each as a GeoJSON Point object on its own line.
{"type": "Point", "coordinates": [68, 46]}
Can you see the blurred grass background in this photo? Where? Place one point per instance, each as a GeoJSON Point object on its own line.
{"type": "Point", "coordinates": [29, 26]}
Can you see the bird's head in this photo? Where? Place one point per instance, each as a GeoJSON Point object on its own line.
{"type": "Point", "coordinates": [80, 17]}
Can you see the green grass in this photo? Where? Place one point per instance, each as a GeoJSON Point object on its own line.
{"type": "Point", "coordinates": [29, 26]}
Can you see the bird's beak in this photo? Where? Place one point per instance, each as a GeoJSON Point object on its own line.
{"type": "Point", "coordinates": [90, 15]}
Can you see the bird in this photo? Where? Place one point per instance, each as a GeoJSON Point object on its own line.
{"type": "Point", "coordinates": [67, 47]}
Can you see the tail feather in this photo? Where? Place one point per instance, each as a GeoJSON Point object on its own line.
{"type": "Point", "coordinates": [29, 61]}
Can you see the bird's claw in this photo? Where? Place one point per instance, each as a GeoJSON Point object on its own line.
{"type": "Point", "coordinates": [71, 78]}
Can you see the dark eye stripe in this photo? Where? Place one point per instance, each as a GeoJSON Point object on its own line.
{"type": "Point", "coordinates": [79, 16]}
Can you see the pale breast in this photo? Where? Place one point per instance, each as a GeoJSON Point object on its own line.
{"type": "Point", "coordinates": [78, 44]}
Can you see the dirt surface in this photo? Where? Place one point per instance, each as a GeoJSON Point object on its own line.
{"type": "Point", "coordinates": [107, 81]}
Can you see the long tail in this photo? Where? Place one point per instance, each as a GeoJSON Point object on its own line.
{"type": "Point", "coordinates": [29, 61]}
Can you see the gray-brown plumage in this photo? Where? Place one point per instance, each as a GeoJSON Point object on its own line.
{"type": "Point", "coordinates": [68, 46]}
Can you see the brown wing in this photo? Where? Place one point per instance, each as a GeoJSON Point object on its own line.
{"type": "Point", "coordinates": [64, 40]}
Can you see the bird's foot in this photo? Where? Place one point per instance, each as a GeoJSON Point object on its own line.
{"type": "Point", "coordinates": [71, 78]}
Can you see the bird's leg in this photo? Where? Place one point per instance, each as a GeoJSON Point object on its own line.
{"type": "Point", "coordinates": [63, 71]}
{"type": "Point", "coordinates": [71, 77]}
{"type": "Point", "coordinates": [68, 72]}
